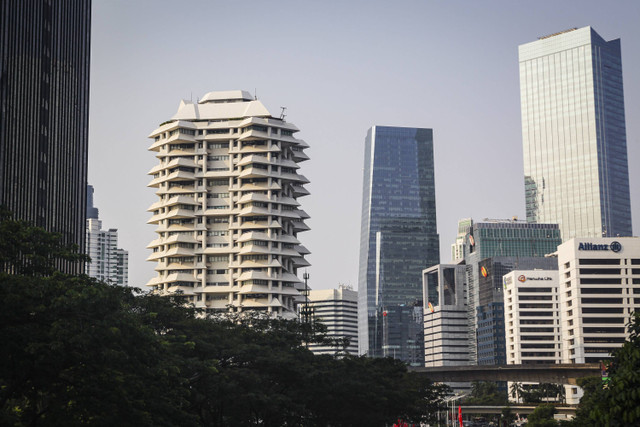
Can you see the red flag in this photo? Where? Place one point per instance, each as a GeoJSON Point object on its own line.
{"type": "Point", "coordinates": [460, 416]}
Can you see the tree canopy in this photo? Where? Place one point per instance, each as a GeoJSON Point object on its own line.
{"type": "Point", "coordinates": [77, 351]}
{"type": "Point", "coordinates": [615, 402]}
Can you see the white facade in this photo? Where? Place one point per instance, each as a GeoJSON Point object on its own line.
{"type": "Point", "coordinates": [599, 280]}
{"type": "Point", "coordinates": [457, 248]}
{"type": "Point", "coordinates": [228, 216]}
{"type": "Point", "coordinates": [108, 263]}
{"type": "Point", "coordinates": [446, 340]}
{"type": "Point", "coordinates": [532, 317]}
{"type": "Point", "coordinates": [337, 309]}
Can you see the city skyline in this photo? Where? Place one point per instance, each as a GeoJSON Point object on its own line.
{"type": "Point", "coordinates": [457, 73]}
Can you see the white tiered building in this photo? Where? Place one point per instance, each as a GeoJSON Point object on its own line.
{"type": "Point", "coordinates": [227, 216]}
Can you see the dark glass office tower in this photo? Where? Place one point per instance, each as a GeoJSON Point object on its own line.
{"type": "Point", "coordinates": [398, 240]}
{"type": "Point", "coordinates": [573, 132]}
{"type": "Point", "coordinates": [44, 102]}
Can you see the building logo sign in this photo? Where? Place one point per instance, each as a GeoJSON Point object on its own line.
{"type": "Point", "coordinates": [613, 247]}
{"type": "Point", "coordinates": [522, 278]}
{"type": "Point", "coordinates": [484, 272]}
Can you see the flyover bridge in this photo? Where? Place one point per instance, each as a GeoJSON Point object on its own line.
{"type": "Point", "coordinates": [540, 373]}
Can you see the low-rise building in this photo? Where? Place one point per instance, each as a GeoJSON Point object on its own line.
{"type": "Point", "coordinates": [337, 309]}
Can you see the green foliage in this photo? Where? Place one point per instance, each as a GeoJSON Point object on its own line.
{"type": "Point", "coordinates": [542, 416]}
{"type": "Point", "coordinates": [618, 402]}
{"type": "Point", "coordinates": [537, 393]}
{"type": "Point", "coordinates": [29, 250]}
{"type": "Point", "coordinates": [623, 391]}
{"type": "Point", "coordinates": [591, 403]}
{"type": "Point", "coordinates": [507, 416]}
{"type": "Point", "coordinates": [486, 393]}
{"type": "Point", "coordinates": [77, 351]}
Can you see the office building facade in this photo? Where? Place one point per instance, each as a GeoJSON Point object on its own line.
{"type": "Point", "coordinates": [599, 280]}
{"type": "Point", "coordinates": [490, 314]}
{"type": "Point", "coordinates": [492, 248]}
{"type": "Point", "coordinates": [532, 317]}
{"type": "Point", "coordinates": [227, 214]}
{"type": "Point", "coordinates": [446, 340]}
{"type": "Point", "coordinates": [398, 240]}
{"type": "Point", "coordinates": [573, 132]}
{"type": "Point", "coordinates": [337, 309]}
{"type": "Point", "coordinates": [44, 97]}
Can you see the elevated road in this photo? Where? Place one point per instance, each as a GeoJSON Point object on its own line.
{"type": "Point", "coordinates": [544, 373]}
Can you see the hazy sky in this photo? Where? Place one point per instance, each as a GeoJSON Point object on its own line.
{"type": "Point", "coordinates": [339, 67]}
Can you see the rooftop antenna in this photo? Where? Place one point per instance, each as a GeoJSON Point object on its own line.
{"type": "Point", "coordinates": [255, 94]}
{"type": "Point", "coordinates": [282, 113]}
{"type": "Point", "coordinates": [306, 310]}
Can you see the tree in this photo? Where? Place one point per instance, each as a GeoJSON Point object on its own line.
{"type": "Point", "coordinates": [591, 403]}
{"type": "Point", "coordinates": [29, 250]}
{"type": "Point", "coordinates": [507, 416]}
{"type": "Point", "coordinates": [617, 402]}
{"type": "Point", "coordinates": [623, 390]}
{"type": "Point", "coordinates": [486, 393]}
{"type": "Point", "coordinates": [77, 351]}
{"type": "Point", "coordinates": [542, 416]}
{"type": "Point", "coordinates": [516, 391]}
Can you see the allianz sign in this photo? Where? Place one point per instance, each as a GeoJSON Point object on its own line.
{"type": "Point", "coordinates": [613, 247]}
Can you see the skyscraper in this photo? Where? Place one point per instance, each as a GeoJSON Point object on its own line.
{"type": "Point", "coordinates": [492, 248]}
{"type": "Point", "coordinates": [227, 214]}
{"type": "Point", "coordinates": [108, 262]}
{"type": "Point", "coordinates": [44, 104]}
{"type": "Point", "coordinates": [573, 131]}
{"type": "Point", "coordinates": [398, 240]}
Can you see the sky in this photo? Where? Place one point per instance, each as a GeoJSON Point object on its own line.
{"type": "Point", "coordinates": [339, 67]}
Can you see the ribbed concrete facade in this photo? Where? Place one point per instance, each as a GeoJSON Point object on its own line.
{"type": "Point", "coordinates": [227, 216]}
{"type": "Point", "coordinates": [44, 104]}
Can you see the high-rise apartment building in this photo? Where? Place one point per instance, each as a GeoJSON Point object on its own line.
{"type": "Point", "coordinates": [573, 132]}
{"type": "Point", "coordinates": [108, 262]}
{"type": "Point", "coordinates": [44, 100]}
{"type": "Point", "coordinates": [228, 215]}
{"type": "Point", "coordinates": [337, 309]}
{"type": "Point", "coordinates": [398, 240]}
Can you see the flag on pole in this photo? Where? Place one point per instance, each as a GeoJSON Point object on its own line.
{"type": "Point", "coordinates": [460, 416]}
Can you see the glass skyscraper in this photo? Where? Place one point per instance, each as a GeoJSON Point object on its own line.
{"type": "Point", "coordinates": [398, 240]}
{"type": "Point", "coordinates": [573, 131]}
